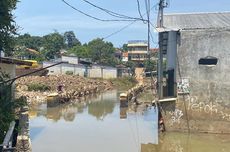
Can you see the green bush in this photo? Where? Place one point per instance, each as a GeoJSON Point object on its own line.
{"type": "Point", "coordinates": [124, 83]}
{"type": "Point", "coordinates": [38, 87]}
{"type": "Point", "coordinates": [69, 72]}
{"type": "Point", "coordinates": [8, 105]}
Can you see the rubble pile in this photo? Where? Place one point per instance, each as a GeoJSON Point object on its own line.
{"type": "Point", "coordinates": [72, 87]}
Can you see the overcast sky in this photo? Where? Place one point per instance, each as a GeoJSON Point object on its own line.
{"type": "Point", "coordinates": [40, 17]}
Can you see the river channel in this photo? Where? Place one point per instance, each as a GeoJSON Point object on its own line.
{"type": "Point", "coordinates": [99, 124]}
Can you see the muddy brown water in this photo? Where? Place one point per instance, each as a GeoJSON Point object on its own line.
{"type": "Point", "coordinates": [99, 124]}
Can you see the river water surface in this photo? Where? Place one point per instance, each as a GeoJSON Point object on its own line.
{"type": "Point", "coordinates": [99, 124]}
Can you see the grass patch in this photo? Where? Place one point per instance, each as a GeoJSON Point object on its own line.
{"type": "Point", "coordinates": [69, 72]}
{"type": "Point", "coordinates": [124, 83]}
{"type": "Point", "coordinates": [38, 87]}
{"type": "Point", "coordinates": [147, 96]}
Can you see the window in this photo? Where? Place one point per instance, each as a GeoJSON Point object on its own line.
{"type": "Point", "coordinates": [208, 61]}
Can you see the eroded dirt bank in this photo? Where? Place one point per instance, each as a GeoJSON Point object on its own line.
{"type": "Point", "coordinates": [72, 87]}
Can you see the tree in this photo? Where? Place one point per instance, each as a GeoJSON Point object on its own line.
{"type": "Point", "coordinates": [28, 41]}
{"type": "Point", "coordinates": [71, 40]}
{"type": "Point", "coordinates": [125, 47]}
{"type": "Point", "coordinates": [80, 51]}
{"type": "Point", "coordinates": [131, 65]}
{"type": "Point", "coordinates": [150, 65]}
{"type": "Point", "coordinates": [101, 51]}
{"type": "Point", "coordinates": [8, 26]}
{"type": "Point", "coordinates": [24, 43]}
{"type": "Point", "coordinates": [52, 44]}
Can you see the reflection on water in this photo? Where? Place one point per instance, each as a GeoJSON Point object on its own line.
{"type": "Point", "coordinates": [180, 142]}
{"type": "Point", "coordinates": [98, 106]}
{"type": "Point", "coordinates": [123, 112]}
{"type": "Point", "coordinates": [96, 124]}
{"type": "Point", "coordinates": [99, 124]}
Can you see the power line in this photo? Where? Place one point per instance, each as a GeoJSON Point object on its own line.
{"type": "Point", "coordinates": [139, 10]}
{"type": "Point", "coordinates": [93, 17]}
{"type": "Point", "coordinates": [123, 28]}
{"type": "Point", "coordinates": [151, 35]}
{"type": "Point", "coordinates": [119, 30]}
{"type": "Point", "coordinates": [111, 12]}
{"type": "Point", "coordinates": [147, 5]}
{"type": "Point", "coordinates": [153, 26]}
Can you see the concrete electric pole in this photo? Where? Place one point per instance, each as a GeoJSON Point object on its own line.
{"type": "Point", "coordinates": [162, 5]}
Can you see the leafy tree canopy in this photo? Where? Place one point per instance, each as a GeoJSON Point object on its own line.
{"type": "Point", "coordinates": [150, 65]}
{"type": "Point", "coordinates": [125, 47]}
{"type": "Point", "coordinates": [52, 44]}
{"type": "Point", "coordinates": [8, 26]}
{"type": "Point", "coordinates": [80, 51]}
{"type": "Point", "coordinates": [28, 41]}
{"type": "Point", "coordinates": [102, 52]}
{"type": "Point", "coordinates": [71, 40]}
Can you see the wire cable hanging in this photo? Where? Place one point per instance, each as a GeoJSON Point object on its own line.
{"type": "Point", "coordinates": [126, 26]}
{"type": "Point", "coordinates": [112, 13]}
{"type": "Point", "coordinates": [118, 31]}
{"type": "Point", "coordinates": [93, 17]}
{"type": "Point", "coordinates": [139, 11]}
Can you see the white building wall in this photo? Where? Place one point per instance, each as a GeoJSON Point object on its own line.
{"type": "Point", "coordinates": [55, 70]}
{"type": "Point", "coordinates": [109, 73]}
{"type": "Point", "coordinates": [95, 72]}
{"type": "Point", "coordinates": [63, 68]}
{"type": "Point", "coordinates": [79, 70]}
{"type": "Point", "coordinates": [67, 68]}
{"type": "Point", "coordinates": [70, 59]}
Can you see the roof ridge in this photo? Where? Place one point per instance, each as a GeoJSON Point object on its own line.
{"type": "Point", "coordinates": [196, 13]}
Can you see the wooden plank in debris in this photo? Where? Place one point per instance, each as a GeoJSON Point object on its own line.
{"type": "Point", "coordinates": [167, 100]}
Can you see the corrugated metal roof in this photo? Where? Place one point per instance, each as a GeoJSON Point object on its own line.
{"type": "Point", "coordinates": [197, 21]}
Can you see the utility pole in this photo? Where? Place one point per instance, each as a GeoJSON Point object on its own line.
{"type": "Point", "coordinates": [162, 5]}
{"type": "Point", "coordinates": [148, 18]}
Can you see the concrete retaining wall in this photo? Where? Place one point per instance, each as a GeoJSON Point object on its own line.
{"type": "Point", "coordinates": [23, 139]}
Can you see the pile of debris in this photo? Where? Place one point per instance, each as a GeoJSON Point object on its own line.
{"type": "Point", "coordinates": [71, 86]}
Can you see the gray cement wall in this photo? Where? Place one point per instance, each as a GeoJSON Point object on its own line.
{"type": "Point", "coordinates": [207, 83]}
{"type": "Point", "coordinates": [205, 104]}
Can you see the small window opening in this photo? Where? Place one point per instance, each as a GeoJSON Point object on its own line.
{"type": "Point", "coordinates": [209, 61]}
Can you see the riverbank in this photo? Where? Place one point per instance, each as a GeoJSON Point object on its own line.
{"type": "Point", "coordinates": [37, 88]}
{"type": "Point", "coordinates": [124, 83]}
